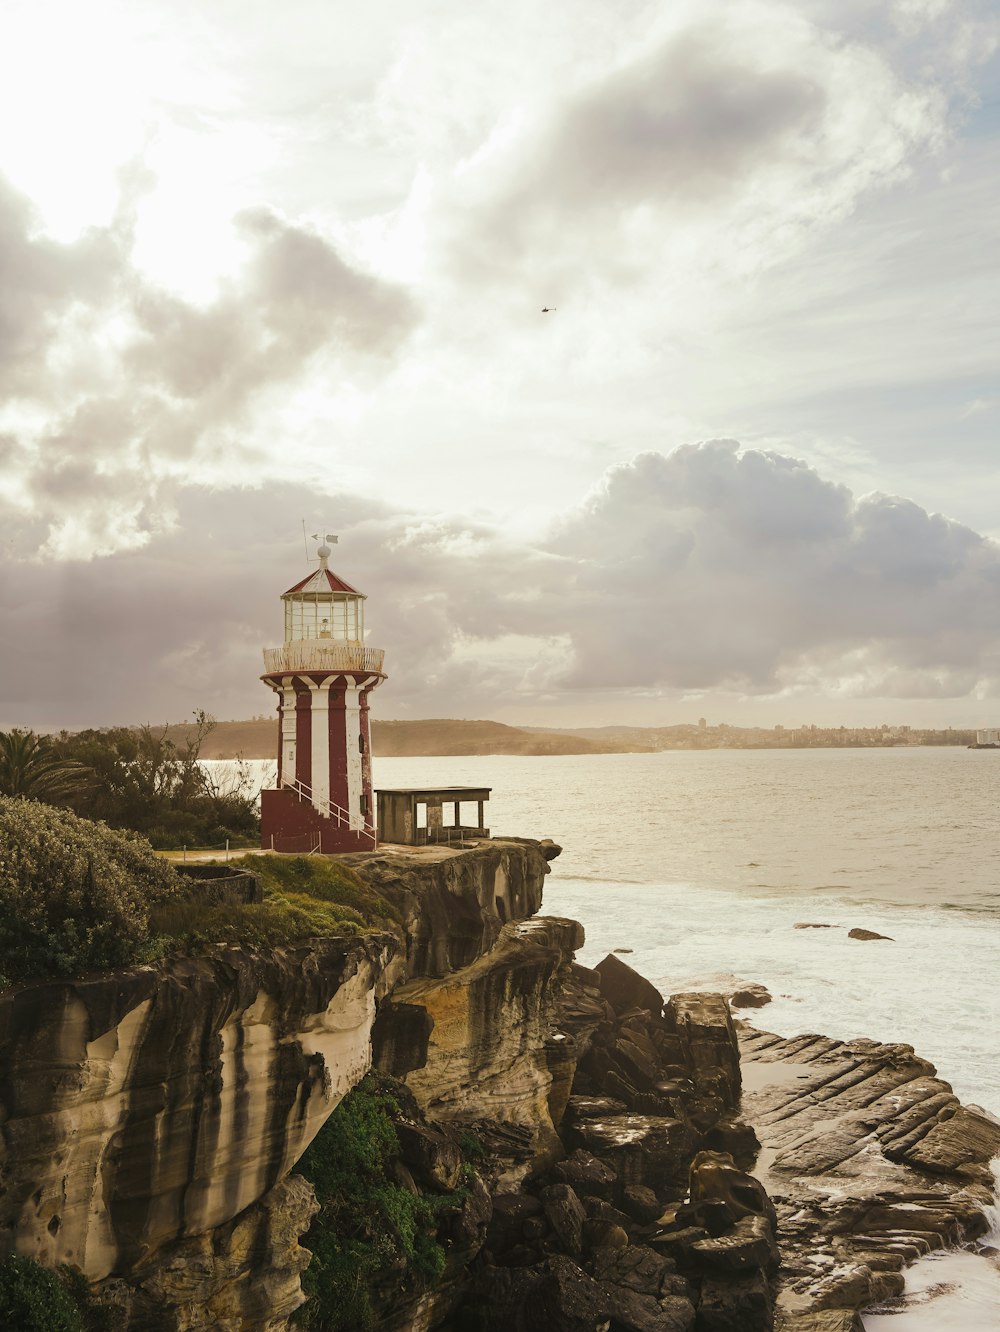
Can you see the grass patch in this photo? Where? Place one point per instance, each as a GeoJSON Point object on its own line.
{"type": "Point", "coordinates": [305, 897]}
{"type": "Point", "coordinates": [328, 880]}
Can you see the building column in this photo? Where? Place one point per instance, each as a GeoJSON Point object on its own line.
{"type": "Point", "coordinates": [302, 751]}
{"type": "Point", "coordinates": [338, 733]}
{"type": "Point", "coordinates": [320, 707]}
{"type": "Point", "coordinates": [286, 732]}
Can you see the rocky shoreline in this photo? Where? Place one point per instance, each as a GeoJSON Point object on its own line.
{"type": "Point", "coordinates": [598, 1157]}
{"type": "Point", "coordinates": [722, 1180]}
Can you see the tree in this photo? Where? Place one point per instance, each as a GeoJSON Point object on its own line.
{"type": "Point", "coordinates": [142, 780]}
{"type": "Point", "coordinates": [30, 768]}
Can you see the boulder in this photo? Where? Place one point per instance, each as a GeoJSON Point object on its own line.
{"type": "Point", "coordinates": [565, 1299]}
{"type": "Point", "coordinates": [506, 1227]}
{"type": "Point", "coordinates": [640, 1203]}
{"type": "Point", "coordinates": [750, 996]}
{"type": "Point", "coordinates": [430, 1153]}
{"type": "Point", "coordinates": [599, 1210]}
{"type": "Point", "coordinates": [588, 1176]}
{"type": "Point", "coordinates": [633, 1312]}
{"type": "Point", "coordinates": [625, 989]}
{"type": "Point", "coordinates": [678, 1243]}
{"type": "Point", "coordinates": [468, 1228]}
{"type": "Point", "coordinates": [737, 1138]}
{"type": "Point", "coordinates": [735, 1306]}
{"type": "Point", "coordinates": [600, 1234]}
{"type": "Point", "coordinates": [643, 1149]}
{"type": "Point", "coordinates": [637, 1267]}
{"type": "Point", "coordinates": [704, 1026]}
{"type": "Point", "coordinates": [747, 1247]}
{"type": "Point", "coordinates": [565, 1215]}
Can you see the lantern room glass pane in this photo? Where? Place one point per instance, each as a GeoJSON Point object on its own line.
{"type": "Point", "coordinates": [339, 617]}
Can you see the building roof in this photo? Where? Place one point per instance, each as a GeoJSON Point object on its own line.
{"type": "Point", "coordinates": [322, 580]}
{"type": "Point", "coordinates": [449, 792]}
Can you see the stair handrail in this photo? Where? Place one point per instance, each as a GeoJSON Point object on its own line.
{"type": "Point", "coordinates": [338, 811]}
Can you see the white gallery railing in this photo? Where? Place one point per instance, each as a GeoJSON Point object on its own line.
{"type": "Point", "coordinates": [320, 654]}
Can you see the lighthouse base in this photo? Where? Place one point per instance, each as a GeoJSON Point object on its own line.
{"type": "Point", "coordinates": [291, 824]}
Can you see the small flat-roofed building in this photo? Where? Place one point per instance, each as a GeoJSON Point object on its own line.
{"type": "Point", "coordinates": [416, 815]}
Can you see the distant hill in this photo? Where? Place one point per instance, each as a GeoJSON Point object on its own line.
{"type": "Point", "coordinates": [402, 739]}
{"type": "Point", "coordinates": [411, 739]}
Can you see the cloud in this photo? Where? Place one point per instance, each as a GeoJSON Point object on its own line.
{"type": "Point", "coordinates": [711, 568]}
{"type": "Point", "coordinates": [114, 385]}
{"type": "Point", "coordinates": [716, 568]}
{"type": "Point", "coordinates": [716, 144]}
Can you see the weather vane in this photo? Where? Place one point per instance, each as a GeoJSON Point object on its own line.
{"type": "Point", "coordinates": [329, 539]}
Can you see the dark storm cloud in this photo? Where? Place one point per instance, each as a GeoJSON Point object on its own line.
{"type": "Point", "coordinates": [705, 568]}
{"type": "Point", "coordinates": [684, 126]}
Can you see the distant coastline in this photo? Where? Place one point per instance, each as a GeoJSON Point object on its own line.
{"type": "Point", "coordinates": [257, 738]}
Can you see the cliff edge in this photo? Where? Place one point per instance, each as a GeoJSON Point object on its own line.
{"type": "Point", "coordinates": [553, 1148]}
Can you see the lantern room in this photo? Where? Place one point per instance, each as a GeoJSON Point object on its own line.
{"type": "Point", "coordinates": [324, 606]}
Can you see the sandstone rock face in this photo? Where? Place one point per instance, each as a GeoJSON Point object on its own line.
{"type": "Point", "coordinates": [870, 1161]}
{"type": "Point", "coordinates": [456, 903]}
{"type": "Point", "coordinates": [242, 1275]}
{"type": "Point", "coordinates": [148, 1106]}
{"type": "Point", "coordinates": [488, 1054]}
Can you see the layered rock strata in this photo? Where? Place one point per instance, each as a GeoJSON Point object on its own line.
{"type": "Point", "coordinates": [150, 1118]}
{"type": "Point", "coordinates": [144, 1107]}
{"type": "Point", "coordinates": [871, 1162]}
{"type": "Point", "coordinates": [493, 1053]}
{"type": "Point", "coordinates": [645, 1223]}
{"type": "Point", "coordinates": [456, 902]}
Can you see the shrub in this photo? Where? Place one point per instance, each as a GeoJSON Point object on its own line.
{"type": "Point", "coordinates": [33, 1299]}
{"type": "Point", "coordinates": [369, 1224]}
{"type": "Point", "coordinates": [75, 896]}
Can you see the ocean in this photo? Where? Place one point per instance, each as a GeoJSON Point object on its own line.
{"type": "Point", "coordinates": [703, 863]}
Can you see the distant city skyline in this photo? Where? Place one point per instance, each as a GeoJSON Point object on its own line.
{"type": "Point", "coordinates": [645, 361]}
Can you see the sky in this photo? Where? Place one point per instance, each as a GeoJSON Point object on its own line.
{"type": "Point", "coordinates": [269, 265]}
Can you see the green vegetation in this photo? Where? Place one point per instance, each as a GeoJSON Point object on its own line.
{"type": "Point", "coordinates": [35, 1299]}
{"type": "Point", "coordinates": [77, 896]}
{"type": "Point", "coordinates": [136, 778]}
{"type": "Point", "coordinates": [74, 895]}
{"type": "Point", "coordinates": [31, 768]}
{"type": "Point", "coordinates": [369, 1225]}
{"type": "Point", "coordinates": [305, 897]}
{"type": "Point", "coordinates": [330, 881]}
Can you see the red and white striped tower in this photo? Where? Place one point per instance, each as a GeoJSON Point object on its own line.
{"type": "Point", "coordinates": [322, 674]}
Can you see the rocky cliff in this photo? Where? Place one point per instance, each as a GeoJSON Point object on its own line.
{"type": "Point", "coordinates": [579, 1149]}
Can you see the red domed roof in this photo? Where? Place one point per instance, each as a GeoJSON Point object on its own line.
{"type": "Point", "coordinates": [323, 580]}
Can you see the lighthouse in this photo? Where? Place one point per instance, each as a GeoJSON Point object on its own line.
{"type": "Point", "coordinates": [322, 674]}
